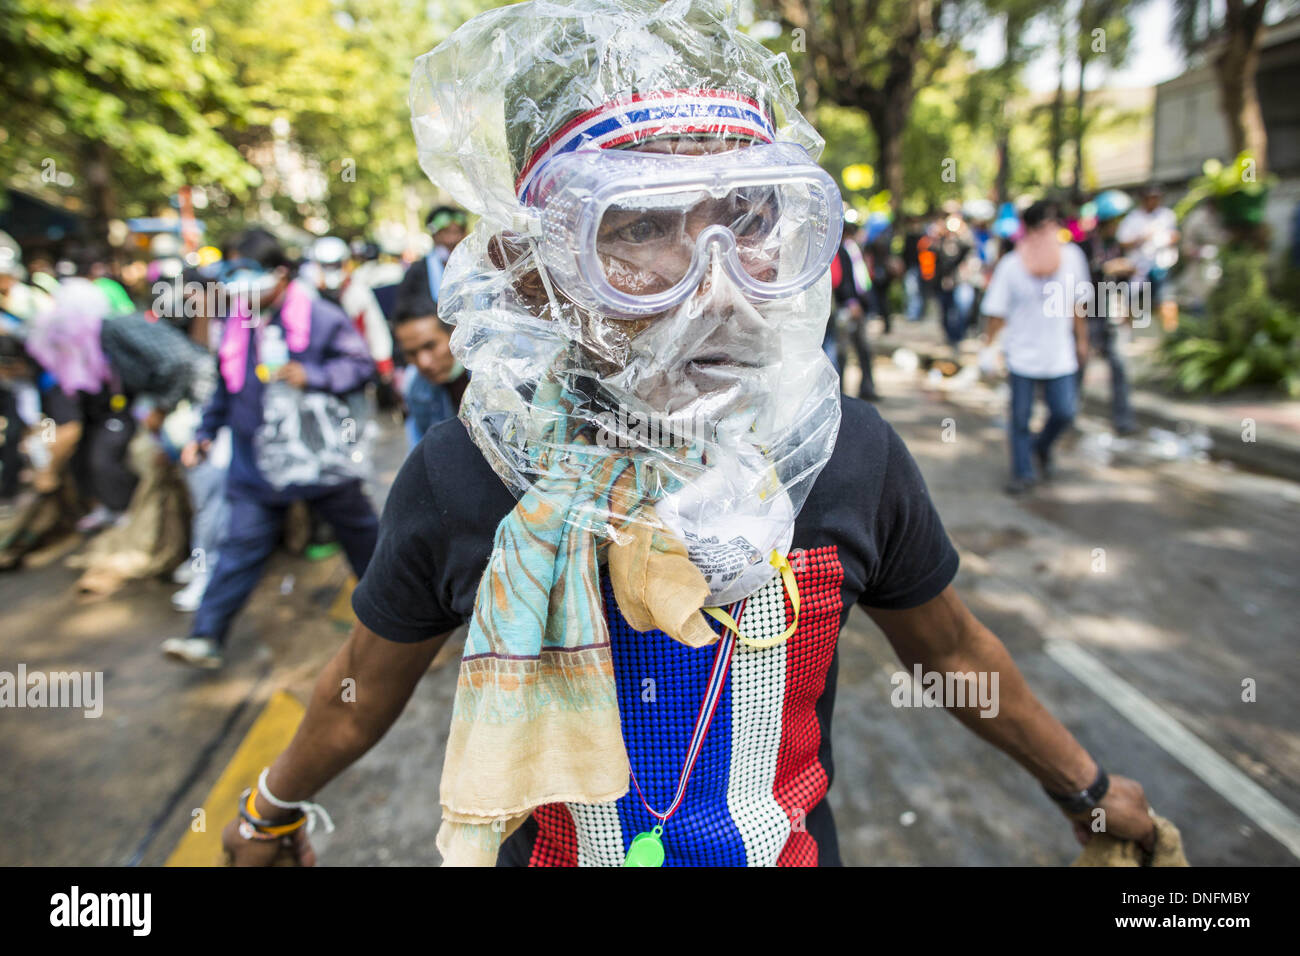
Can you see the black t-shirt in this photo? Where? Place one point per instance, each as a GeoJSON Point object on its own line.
{"type": "Point", "coordinates": [868, 534]}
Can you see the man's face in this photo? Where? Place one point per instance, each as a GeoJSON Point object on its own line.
{"type": "Point", "coordinates": [713, 347]}
{"type": "Point", "coordinates": [1151, 202]}
{"type": "Point", "coordinates": [428, 346]}
{"type": "Point", "coordinates": [449, 236]}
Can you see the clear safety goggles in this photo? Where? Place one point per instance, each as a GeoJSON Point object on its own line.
{"type": "Point", "coordinates": [631, 233]}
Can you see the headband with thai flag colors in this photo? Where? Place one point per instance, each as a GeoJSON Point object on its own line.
{"type": "Point", "coordinates": [640, 116]}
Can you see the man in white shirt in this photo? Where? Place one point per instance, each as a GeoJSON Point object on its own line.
{"type": "Point", "coordinates": [1036, 294]}
{"type": "Point", "coordinates": [1149, 234]}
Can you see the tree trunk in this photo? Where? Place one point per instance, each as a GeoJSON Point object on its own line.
{"type": "Point", "coordinates": [1237, 66]}
{"type": "Point", "coordinates": [1080, 97]}
{"type": "Point", "coordinates": [97, 170]}
{"type": "Point", "coordinates": [1055, 137]}
{"type": "Point", "coordinates": [888, 123]}
{"type": "Point", "coordinates": [1057, 134]}
{"type": "Point", "coordinates": [1003, 146]}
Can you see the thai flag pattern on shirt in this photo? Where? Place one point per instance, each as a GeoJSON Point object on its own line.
{"type": "Point", "coordinates": [758, 773]}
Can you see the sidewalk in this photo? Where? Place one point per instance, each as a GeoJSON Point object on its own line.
{"type": "Point", "coordinates": [1275, 449]}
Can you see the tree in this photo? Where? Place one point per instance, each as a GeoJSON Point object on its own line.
{"type": "Point", "coordinates": [101, 98]}
{"type": "Point", "coordinates": [874, 55]}
{"type": "Point", "coordinates": [1104, 35]}
{"type": "Point", "coordinates": [1229, 32]}
{"type": "Point", "coordinates": [293, 110]}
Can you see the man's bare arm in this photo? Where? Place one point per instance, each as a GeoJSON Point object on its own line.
{"type": "Point", "coordinates": [992, 328]}
{"type": "Point", "coordinates": [336, 731]}
{"type": "Point", "coordinates": [943, 635]}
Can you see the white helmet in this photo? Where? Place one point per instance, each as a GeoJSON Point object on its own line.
{"type": "Point", "coordinates": [330, 251]}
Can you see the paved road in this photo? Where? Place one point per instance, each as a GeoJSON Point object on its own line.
{"type": "Point", "coordinates": [1143, 657]}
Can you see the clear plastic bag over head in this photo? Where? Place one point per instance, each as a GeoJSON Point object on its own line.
{"type": "Point", "coordinates": [643, 301]}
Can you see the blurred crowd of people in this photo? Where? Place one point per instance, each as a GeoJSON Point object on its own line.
{"type": "Point", "coordinates": [1046, 285]}
{"type": "Point", "coordinates": [181, 413]}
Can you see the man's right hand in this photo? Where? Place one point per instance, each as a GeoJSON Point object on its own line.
{"type": "Point", "coordinates": [195, 452]}
{"type": "Point", "coordinates": [241, 852]}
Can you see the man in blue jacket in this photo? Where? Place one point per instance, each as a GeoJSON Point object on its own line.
{"type": "Point", "coordinates": [325, 354]}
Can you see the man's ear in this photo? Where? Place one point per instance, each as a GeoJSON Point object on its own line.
{"type": "Point", "coordinates": [509, 252]}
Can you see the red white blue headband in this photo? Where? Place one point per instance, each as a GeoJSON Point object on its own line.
{"type": "Point", "coordinates": [641, 116]}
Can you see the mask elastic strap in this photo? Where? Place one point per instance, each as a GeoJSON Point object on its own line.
{"type": "Point", "coordinates": [782, 564]}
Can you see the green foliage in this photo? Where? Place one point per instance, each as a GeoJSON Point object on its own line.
{"type": "Point", "coordinates": [1226, 185]}
{"type": "Point", "coordinates": [115, 82]}
{"type": "Point", "coordinates": [1247, 336]}
{"type": "Point", "coordinates": [131, 99]}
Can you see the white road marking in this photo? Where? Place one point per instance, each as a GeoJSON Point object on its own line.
{"type": "Point", "coordinates": [1250, 798]}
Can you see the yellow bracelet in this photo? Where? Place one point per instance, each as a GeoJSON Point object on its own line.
{"type": "Point", "coordinates": [276, 830]}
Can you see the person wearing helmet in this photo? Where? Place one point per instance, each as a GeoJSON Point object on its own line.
{"type": "Point", "coordinates": [656, 510]}
{"type": "Point", "coordinates": [447, 225]}
{"type": "Point", "coordinates": [330, 256]}
{"type": "Point", "coordinates": [1112, 273]}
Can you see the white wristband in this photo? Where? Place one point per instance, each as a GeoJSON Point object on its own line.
{"type": "Point", "coordinates": [306, 806]}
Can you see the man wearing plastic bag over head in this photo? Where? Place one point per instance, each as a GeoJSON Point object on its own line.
{"type": "Point", "coordinates": [656, 510]}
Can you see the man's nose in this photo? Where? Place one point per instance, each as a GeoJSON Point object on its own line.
{"type": "Point", "coordinates": [721, 298]}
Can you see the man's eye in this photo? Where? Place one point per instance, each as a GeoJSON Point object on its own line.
{"type": "Point", "coordinates": [644, 229]}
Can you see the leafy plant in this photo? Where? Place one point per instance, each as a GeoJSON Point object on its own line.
{"type": "Point", "coordinates": [1247, 337]}
{"type": "Point", "coordinates": [1235, 189]}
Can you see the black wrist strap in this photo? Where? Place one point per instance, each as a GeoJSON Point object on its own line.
{"type": "Point", "coordinates": [1084, 800]}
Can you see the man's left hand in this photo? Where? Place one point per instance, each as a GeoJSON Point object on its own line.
{"type": "Point", "coordinates": [295, 373]}
{"type": "Point", "coordinates": [1128, 815]}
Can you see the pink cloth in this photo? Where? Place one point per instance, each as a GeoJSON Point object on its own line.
{"type": "Point", "coordinates": [65, 338]}
{"type": "Point", "coordinates": [295, 318]}
{"type": "Point", "coordinates": [1040, 250]}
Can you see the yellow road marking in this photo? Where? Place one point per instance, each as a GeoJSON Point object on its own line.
{"type": "Point", "coordinates": [268, 736]}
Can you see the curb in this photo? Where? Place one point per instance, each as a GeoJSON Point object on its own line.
{"type": "Point", "coordinates": [1264, 456]}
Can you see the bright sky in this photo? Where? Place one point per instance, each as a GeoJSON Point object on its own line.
{"type": "Point", "coordinates": [1152, 58]}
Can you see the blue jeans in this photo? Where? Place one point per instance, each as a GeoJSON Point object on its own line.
{"type": "Point", "coordinates": [254, 531]}
{"type": "Point", "coordinates": [1060, 395]}
{"type": "Point", "coordinates": [207, 485]}
{"type": "Point", "coordinates": [952, 316]}
{"type": "Point", "coordinates": [914, 294]}
{"type": "Point", "coordinates": [1102, 339]}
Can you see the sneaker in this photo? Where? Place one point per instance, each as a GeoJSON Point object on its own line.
{"type": "Point", "coordinates": [98, 519]}
{"type": "Point", "coordinates": [1046, 466]}
{"type": "Point", "coordinates": [195, 651]}
{"type": "Point", "coordinates": [190, 597]}
{"type": "Point", "coordinates": [184, 572]}
{"type": "Point", "coordinates": [1017, 486]}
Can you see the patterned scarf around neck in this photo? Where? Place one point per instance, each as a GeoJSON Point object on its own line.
{"type": "Point", "coordinates": [535, 720]}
